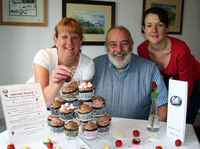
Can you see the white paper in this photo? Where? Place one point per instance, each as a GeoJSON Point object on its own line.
{"type": "Point", "coordinates": [25, 112]}
{"type": "Point", "coordinates": [177, 107]}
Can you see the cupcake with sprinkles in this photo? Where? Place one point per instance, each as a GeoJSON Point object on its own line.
{"type": "Point", "coordinates": [49, 119]}
{"type": "Point", "coordinates": [103, 125]}
{"type": "Point", "coordinates": [57, 125]}
{"type": "Point", "coordinates": [86, 90]}
{"type": "Point", "coordinates": [67, 112]}
{"type": "Point", "coordinates": [98, 107]}
{"type": "Point", "coordinates": [109, 117]}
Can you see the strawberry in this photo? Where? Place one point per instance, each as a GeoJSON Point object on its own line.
{"type": "Point", "coordinates": [49, 145]}
{"type": "Point", "coordinates": [158, 147]}
{"type": "Point", "coordinates": [178, 142]}
{"type": "Point", "coordinates": [118, 143]}
{"type": "Point", "coordinates": [11, 146]}
{"type": "Point", "coordinates": [136, 133]}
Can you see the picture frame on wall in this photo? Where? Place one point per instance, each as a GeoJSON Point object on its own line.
{"type": "Point", "coordinates": [21, 13]}
{"type": "Point", "coordinates": [95, 17]}
{"type": "Point", "coordinates": [174, 9]}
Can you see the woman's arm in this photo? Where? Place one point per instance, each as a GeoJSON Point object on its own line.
{"type": "Point", "coordinates": [59, 75]}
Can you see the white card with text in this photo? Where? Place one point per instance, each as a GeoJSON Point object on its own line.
{"type": "Point", "coordinates": [25, 112]}
{"type": "Point", "coordinates": [177, 107]}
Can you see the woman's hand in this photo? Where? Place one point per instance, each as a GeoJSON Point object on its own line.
{"type": "Point", "coordinates": [60, 74]}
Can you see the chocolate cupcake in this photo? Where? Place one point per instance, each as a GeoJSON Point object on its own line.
{"type": "Point", "coordinates": [84, 112]}
{"type": "Point", "coordinates": [49, 119]}
{"type": "Point", "coordinates": [103, 125]}
{"type": "Point", "coordinates": [70, 92]}
{"type": "Point", "coordinates": [54, 108]}
{"type": "Point", "coordinates": [90, 129]}
{"type": "Point", "coordinates": [86, 90]}
{"type": "Point", "coordinates": [98, 107]}
{"type": "Point", "coordinates": [57, 125]}
{"type": "Point", "coordinates": [71, 129]}
{"type": "Point", "coordinates": [66, 112]}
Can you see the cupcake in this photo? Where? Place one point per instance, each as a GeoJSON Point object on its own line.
{"type": "Point", "coordinates": [103, 125]}
{"type": "Point", "coordinates": [84, 112]}
{"type": "Point", "coordinates": [109, 117]}
{"type": "Point", "coordinates": [57, 126]}
{"type": "Point", "coordinates": [71, 129]}
{"type": "Point", "coordinates": [66, 111]}
{"type": "Point", "coordinates": [49, 119]}
{"type": "Point", "coordinates": [70, 92]}
{"type": "Point", "coordinates": [55, 106]}
{"type": "Point", "coordinates": [90, 129]}
{"type": "Point", "coordinates": [86, 90]}
{"type": "Point", "coordinates": [97, 107]}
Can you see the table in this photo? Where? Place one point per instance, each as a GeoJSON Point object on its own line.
{"type": "Point", "coordinates": [117, 125]}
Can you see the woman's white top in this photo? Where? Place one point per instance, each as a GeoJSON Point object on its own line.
{"type": "Point", "coordinates": [48, 58]}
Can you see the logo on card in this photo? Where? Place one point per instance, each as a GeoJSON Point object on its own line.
{"type": "Point", "coordinates": [5, 93]}
{"type": "Point", "coordinates": [176, 101]}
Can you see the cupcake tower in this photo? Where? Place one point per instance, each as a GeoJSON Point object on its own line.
{"type": "Point", "coordinates": [63, 111]}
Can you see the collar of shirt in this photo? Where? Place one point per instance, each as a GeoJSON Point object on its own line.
{"type": "Point", "coordinates": [122, 73]}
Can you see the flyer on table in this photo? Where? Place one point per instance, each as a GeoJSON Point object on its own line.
{"type": "Point", "coordinates": [177, 107]}
{"type": "Point", "coordinates": [25, 112]}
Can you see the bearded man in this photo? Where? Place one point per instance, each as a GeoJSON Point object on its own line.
{"type": "Point", "coordinates": [124, 79]}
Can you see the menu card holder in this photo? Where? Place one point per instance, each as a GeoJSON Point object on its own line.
{"type": "Point", "coordinates": [177, 107]}
{"type": "Point", "coordinates": [25, 112]}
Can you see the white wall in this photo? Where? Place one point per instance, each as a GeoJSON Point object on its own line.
{"type": "Point", "coordinates": [19, 44]}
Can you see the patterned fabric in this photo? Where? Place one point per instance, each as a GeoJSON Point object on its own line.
{"type": "Point", "coordinates": [127, 94]}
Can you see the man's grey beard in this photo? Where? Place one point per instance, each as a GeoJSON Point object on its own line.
{"type": "Point", "coordinates": [122, 64]}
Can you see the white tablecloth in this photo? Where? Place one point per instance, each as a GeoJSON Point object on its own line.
{"type": "Point", "coordinates": [118, 125]}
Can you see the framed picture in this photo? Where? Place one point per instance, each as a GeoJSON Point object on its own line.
{"type": "Point", "coordinates": [23, 12]}
{"type": "Point", "coordinates": [95, 17]}
{"type": "Point", "coordinates": [174, 9]}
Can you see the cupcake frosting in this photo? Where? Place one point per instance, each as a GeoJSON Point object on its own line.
{"type": "Point", "coordinates": [102, 121]}
{"type": "Point", "coordinates": [101, 99]}
{"type": "Point", "coordinates": [55, 104]}
{"type": "Point", "coordinates": [71, 125]}
{"type": "Point", "coordinates": [90, 126]}
{"type": "Point", "coordinates": [56, 122]}
{"type": "Point", "coordinates": [67, 107]}
{"type": "Point", "coordinates": [97, 103]}
{"type": "Point", "coordinates": [84, 108]}
{"type": "Point", "coordinates": [86, 86]}
{"type": "Point", "coordinates": [70, 87]}
{"type": "Point", "coordinates": [60, 99]}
